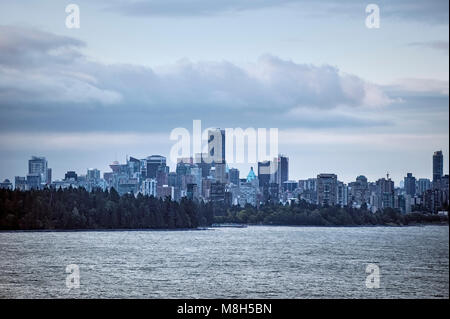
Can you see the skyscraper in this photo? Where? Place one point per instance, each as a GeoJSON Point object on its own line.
{"type": "Point", "coordinates": [281, 173]}
{"type": "Point", "coordinates": [423, 184]}
{"type": "Point", "coordinates": [327, 189]}
{"type": "Point", "coordinates": [385, 192]}
{"type": "Point", "coordinates": [410, 184]}
{"type": "Point", "coordinates": [234, 176]}
{"type": "Point", "coordinates": [201, 161]}
{"type": "Point", "coordinates": [93, 175]}
{"type": "Point", "coordinates": [155, 163]}
{"type": "Point", "coordinates": [438, 166]}
{"type": "Point", "coordinates": [38, 165]}
{"type": "Point", "coordinates": [264, 173]}
{"type": "Point", "coordinates": [216, 145]}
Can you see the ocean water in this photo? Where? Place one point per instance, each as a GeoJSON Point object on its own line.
{"type": "Point", "coordinates": [253, 262]}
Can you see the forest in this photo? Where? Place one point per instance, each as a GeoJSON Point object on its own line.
{"type": "Point", "coordinates": [76, 208]}
{"type": "Point", "coordinates": [306, 214]}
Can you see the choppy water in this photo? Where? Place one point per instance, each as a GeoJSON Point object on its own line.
{"type": "Point", "coordinates": [254, 262]}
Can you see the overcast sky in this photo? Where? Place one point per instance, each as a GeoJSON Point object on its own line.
{"type": "Point", "coordinates": [346, 99]}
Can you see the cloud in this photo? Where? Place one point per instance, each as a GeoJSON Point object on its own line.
{"type": "Point", "coordinates": [442, 46]}
{"type": "Point", "coordinates": [434, 11]}
{"type": "Point", "coordinates": [381, 141]}
{"type": "Point", "coordinates": [192, 8]}
{"type": "Point", "coordinates": [415, 86]}
{"type": "Point", "coordinates": [39, 67]}
{"type": "Point", "coordinates": [25, 47]}
{"type": "Point", "coordinates": [56, 87]}
{"type": "Point", "coordinates": [79, 141]}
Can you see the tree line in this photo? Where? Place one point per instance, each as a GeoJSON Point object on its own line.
{"type": "Point", "coordinates": [76, 208]}
{"type": "Point", "coordinates": [306, 214]}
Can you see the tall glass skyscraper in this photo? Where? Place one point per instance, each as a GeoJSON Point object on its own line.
{"type": "Point", "coordinates": [438, 166]}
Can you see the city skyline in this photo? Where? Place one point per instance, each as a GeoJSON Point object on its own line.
{"type": "Point", "coordinates": [207, 178]}
{"type": "Point", "coordinates": [345, 98]}
{"type": "Point", "coordinates": [437, 171]}
{"type": "Point", "coordinates": [172, 168]}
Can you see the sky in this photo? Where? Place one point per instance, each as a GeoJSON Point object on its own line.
{"type": "Point", "coordinates": [345, 98]}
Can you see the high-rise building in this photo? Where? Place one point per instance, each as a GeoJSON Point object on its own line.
{"type": "Point", "coordinates": [342, 194]}
{"type": "Point", "coordinates": [93, 175]}
{"type": "Point", "coordinates": [234, 176]}
{"type": "Point", "coordinates": [201, 160]}
{"type": "Point", "coordinates": [172, 178]}
{"type": "Point", "coordinates": [6, 184]}
{"type": "Point", "coordinates": [34, 181]}
{"type": "Point", "coordinates": [20, 183]}
{"type": "Point", "coordinates": [281, 173]}
{"type": "Point", "coordinates": [166, 191]}
{"type": "Point", "coordinates": [410, 184]}
{"type": "Point", "coordinates": [134, 167]}
{"type": "Point", "coordinates": [71, 176]}
{"type": "Point", "coordinates": [385, 193]}
{"type": "Point", "coordinates": [216, 145]}
{"type": "Point", "coordinates": [217, 192]}
{"type": "Point", "coordinates": [192, 191]}
{"type": "Point", "coordinates": [49, 176]}
{"type": "Point", "coordinates": [38, 165]}
{"type": "Point", "coordinates": [220, 172]}
{"type": "Point", "coordinates": [423, 184]}
{"type": "Point", "coordinates": [289, 186]}
{"type": "Point", "coordinates": [326, 189]}
{"type": "Point", "coordinates": [156, 163]}
{"type": "Point", "coordinates": [149, 187]}
{"type": "Point", "coordinates": [359, 190]}
{"type": "Point", "coordinates": [308, 189]}
{"type": "Point", "coordinates": [246, 192]}
{"type": "Point", "coordinates": [438, 166]}
{"type": "Point", "coordinates": [264, 172]}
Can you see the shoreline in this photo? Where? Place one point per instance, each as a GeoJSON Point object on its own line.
{"type": "Point", "coordinates": [207, 228]}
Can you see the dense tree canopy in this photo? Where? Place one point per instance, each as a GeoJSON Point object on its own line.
{"type": "Point", "coordinates": [79, 209]}
{"type": "Point", "coordinates": [303, 213]}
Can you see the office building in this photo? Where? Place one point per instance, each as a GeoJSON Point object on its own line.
{"type": "Point", "coordinates": [38, 165]}
{"type": "Point", "coordinates": [20, 183]}
{"type": "Point", "coordinates": [6, 184]}
{"type": "Point", "coordinates": [155, 163]}
{"type": "Point", "coordinates": [422, 185]}
{"type": "Point", "coordinates": [149, 187]}
{"type": "Point", "coordinates": [326, 189]}
{"type": "Point", "coordinates": [216, 145]}
{"type": "Point", "coordinates": [234, 176]}
{"type": "Point", "coordinates": [410, 184]}
{"type": "Point", "coordinates": [438, 166]}
{"type": "Point", "coordinates": [71, 176]}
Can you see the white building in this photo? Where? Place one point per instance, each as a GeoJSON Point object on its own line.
{"type": "Point", "coordinates": [149, 187]}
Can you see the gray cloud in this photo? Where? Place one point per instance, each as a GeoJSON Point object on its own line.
{"type": "Point", "coordinates": [59, 91]}
{"type": "Point", "coordinates": [436, 45]}
{"type": "Point", "coordinates": [25, 47]}
{"type": "Point", "coordinates": [190, 8]}
{"type": "Point", "coordinates": [433, 11]}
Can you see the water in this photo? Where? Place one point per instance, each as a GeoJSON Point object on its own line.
{"type": "Point", "coordinates": [253, 262]}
